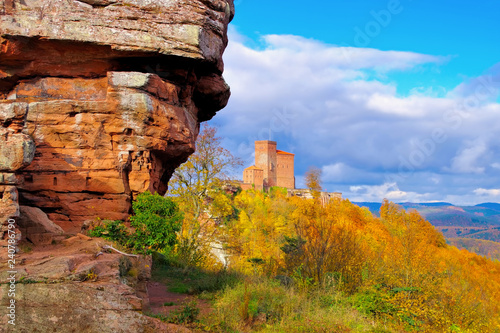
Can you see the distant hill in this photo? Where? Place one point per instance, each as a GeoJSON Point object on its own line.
{"type": "Point", "coordinates": [374, 207]}
{"type": "Point", "coordinates": [446, 214]}
{"type": "Point", "coordinates": [426, 204]}
{"type": "Point", "coordinates": [490, 205]}
{"type": "Point", "coordinates": [479, 246]}
{"type": "Point", "coordinates": [479, 222]}
{"type": "Point", "coordinates": [484, 233]}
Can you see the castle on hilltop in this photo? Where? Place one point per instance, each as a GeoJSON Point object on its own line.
{"type": "Point", "coordinates": [275, 167]}
{"type": "Point", "coordinates": [272, 167]}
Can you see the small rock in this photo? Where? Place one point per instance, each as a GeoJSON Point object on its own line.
{"type": "Point", "coordinates": [83, 237]}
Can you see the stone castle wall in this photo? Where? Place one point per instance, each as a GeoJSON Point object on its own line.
{"type": "Point", "coordinates": [265, 159]}
{"type": "Point", "coordinates": [285, 170]}
{"type": "Point", "coordinates": [253, 178]}
{"type": "Point", "coordinates": [272, 168]}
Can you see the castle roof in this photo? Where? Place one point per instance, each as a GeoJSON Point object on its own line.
{"type": "Point", "coordinates": [253, 167]}
{"type": "Point", "coordinates": [283, 152]}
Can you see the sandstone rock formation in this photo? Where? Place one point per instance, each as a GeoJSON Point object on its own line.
{"type": "Point", "coordinates": [102, 99]}
{"type": "Point", "coordinates": [36, 227]}
{"type": "Point", "coordinates": [66, 288]}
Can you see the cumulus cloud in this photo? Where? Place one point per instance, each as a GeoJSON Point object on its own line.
{"type": "Point", "coordinates": [467, 160]}
{"type": "Point", "coordinates": [338, 108]}
{"type": "Point", "coordinates": [344, 57]}
{"type": "Point", "coordinates": [413, 107]}
{"type": "Point", "coordinates": [484, 88]}
{"type": "Point", "coordinates": [487, 192]}
{"type": "Point", "coordinates": [389, 191]}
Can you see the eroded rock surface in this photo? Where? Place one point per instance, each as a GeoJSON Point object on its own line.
{"type": "Point", "coordinates": [36, 227]}
{"type": "Point", "coordinates": [67, 288]}
{"type": "Point", "coordinates": [102, 99]}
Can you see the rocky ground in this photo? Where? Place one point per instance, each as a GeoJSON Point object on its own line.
{"type": "Point", "coordinates": [76, 286]}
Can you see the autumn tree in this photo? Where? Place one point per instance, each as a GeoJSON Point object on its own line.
{"type": "Point", "coordinates": [313, 180]}
{"type": "Point", "coordinates": [328, 242]}
{"type": "Point", "coordinates": [197, 186]}
{"type": "Point", "coordinates": [413, 240]}
{"type": "Point", "coordinates": [397, 267]}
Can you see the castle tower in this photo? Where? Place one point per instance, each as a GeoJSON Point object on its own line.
{"type": "Point", "coordinates": [253, 178]}
{"type": "Point", "coordinates": [285, 169]}
{"type": "Point", "coordinates": [266, 159]}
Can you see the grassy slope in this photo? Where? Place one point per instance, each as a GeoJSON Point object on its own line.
{"type": "Point", "coordinates": [250, 304]}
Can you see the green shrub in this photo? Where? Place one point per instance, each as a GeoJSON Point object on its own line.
{"type": "Point", "coordinates": [180, 287]}
{"type": "Point", "coordinates": [155, 223]}
{"type": "Point", "coordinates": [187, 314]}
{"type": "Point", "coordinates": [374, 301]}
{"type": "Point", "coordinates": [189, 253]}
{"type": "Point", "coordinates": [112, 230]}
{"type": "Point", "coordinates": [253, 302]}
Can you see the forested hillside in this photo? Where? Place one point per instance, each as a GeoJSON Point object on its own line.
{"type": "Point", "coordinates": [396, 268]}
{"type": "Point", "coordinates": [303, 265]}
{"type": "Point", "coordinates": [480, 246]}
{"type": "Point", "coordinates": [475, 223]}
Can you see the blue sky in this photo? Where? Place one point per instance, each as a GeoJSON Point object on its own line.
{"type": "Point", "coordinates": [467, 32]}
{"type": "Point", "coordinates": [392, 99]}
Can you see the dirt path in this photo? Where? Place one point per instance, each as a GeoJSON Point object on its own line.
{"type": "Point", "coordinates": [159, 295]}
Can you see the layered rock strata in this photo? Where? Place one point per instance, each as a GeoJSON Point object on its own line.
{"type": "Point", "coordinates": [78, 287]}
{"type": "Point", "coordinates": [102, 99]}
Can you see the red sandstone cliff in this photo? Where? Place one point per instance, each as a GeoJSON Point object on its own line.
{"type": "Point", "coordinates": [99, 100]}
{"type": "Point", "coordinates": [102, 99]}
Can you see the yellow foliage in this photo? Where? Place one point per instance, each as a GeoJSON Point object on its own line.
{"type": "Point", "coordinates": [422, 283]}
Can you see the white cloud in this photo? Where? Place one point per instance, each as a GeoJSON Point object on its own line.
{"type": "Point", "coordinates": [484, 88]}
{"type": "Point", "coordinates": [338, 108]}
{"type": "Point", "coordinates": [389, 191]}
{"type": "Point", "coordinates": [466, 160]}
{"type": "Point", "coordinates": [290, 65]}
{"type": "Point", "coordinates": [495, 165]}
{"type": "Point", "coordinates": [333, 172]}
{"type": "Point", "coordinates": [413, 106]}
{"type": "Point", "coordinates": [487, 192]}
{"type": "Point", "coordinates": [344, 57]}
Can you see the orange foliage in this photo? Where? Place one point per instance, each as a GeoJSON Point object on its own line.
{"type": "Point", "coordinates": [399, 261]}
